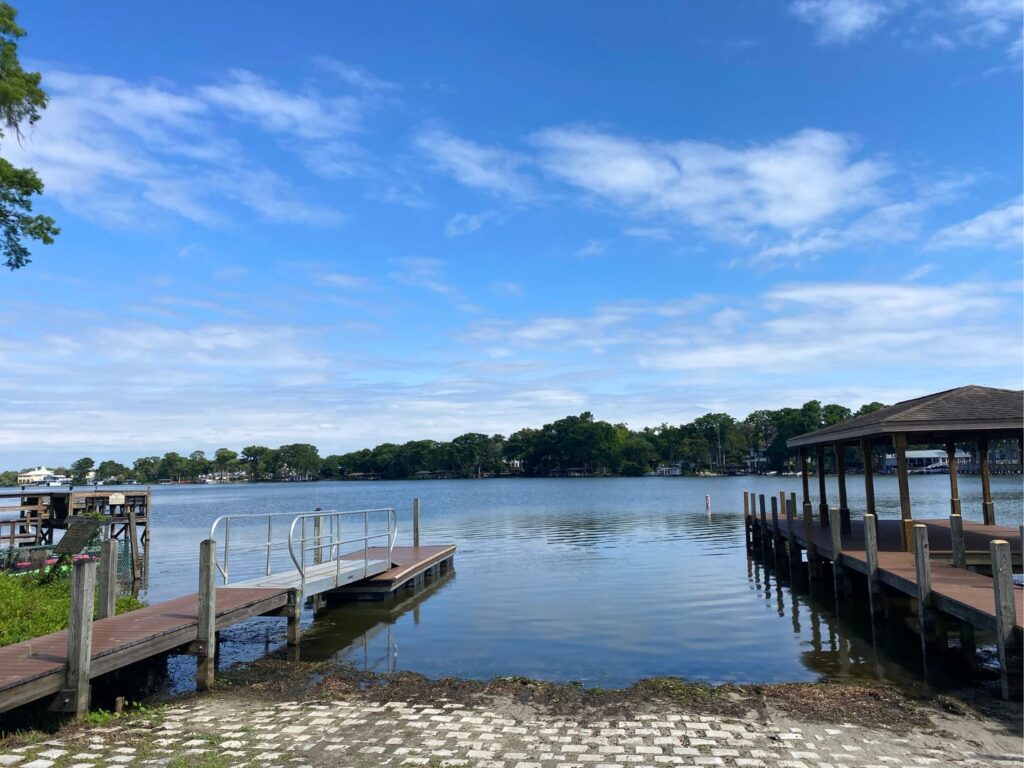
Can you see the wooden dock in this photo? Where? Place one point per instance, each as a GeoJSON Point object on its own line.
{"type": "Point", "coordinates": [47, 667]}
{"type": "Point", "coordinates": [943, 574]}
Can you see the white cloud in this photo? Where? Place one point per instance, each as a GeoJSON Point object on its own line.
{"type": "Point", "coordinates": [118, 152]}
{"type": "Point", "coordinates": [840, 21]}
{"type": "Point", "coordinates": [309, 116]}
{"type": "Point", "coordinates": [493, 169]}
{"type": "Point", "coordinates": [1000, 227]}
{"type": "Point", "coordinates": [592, 248]}
{"type": "Point", "coordinates": [786, 185]}
{"type": "Point", "coordinates": [918, 272]}
{"type": "Point", "coordinates": [464, 223]}
{"type": "Point", "coordinates": [355, 76]}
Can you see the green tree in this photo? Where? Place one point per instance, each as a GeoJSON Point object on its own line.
{"type": "Point", "coordinates": [146, 469]}
{"type": "Point", "coordinates": [111, 471]}
{"type": "Point", "coordinates": [8, 479]}
{"type": "Point", "coordinates": [80, 470]}
{"type": "Point", "coordinates": [198, 464]}
{"type": "Point", "coordinates": [173, 466]}
{"type": "Point", "coordinates": [21, 100]}
{"type": "Point", "coordinates": [869, 408]}
{"type": "Point", "coordinates": [258, 459]}
{"type": "Point", "coordinates": [224, 459]}
{"type": "Point", "coordinates": [302, 460]}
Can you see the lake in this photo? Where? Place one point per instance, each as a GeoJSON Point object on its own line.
{"type": "Point", "coordinates": [603, 581]}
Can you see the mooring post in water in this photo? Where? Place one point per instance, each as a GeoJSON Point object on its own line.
{"type": "Point", "coordinates": [205, 645]}
{"type": "Point", "coordinates": [415, 522]}
{"type": "Point", "coordinates": [746, 519]}
{"type": "Point", "coordinates": [294, 613]}
{"type": "Point", "coordinates": [1006, 617]}
{"type": "Point", "coordinates": [108, 578]}
{"type": "Point", "coordinates": [956, 534]}
{"type": "Point", "coordinates": [923, 566]}
{"type": "Point", "coordinates": [755, 534]}
{"type": "Point", "coordinates": [812, 553]}
{"type": "Point", "coordinates": [764, 525]}
{"type": "Point", "coordinates": [794, 550]}
{"type": "Point", "coordinates": [835, 525]}
{"type": "Point", "coordinates": [871, 553]}
{"type": "Point", "coordinates": [776, 537]}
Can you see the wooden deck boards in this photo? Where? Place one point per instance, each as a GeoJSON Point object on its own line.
{"type": "Point", "coordinates": [35, 668]}
{"type": "Point", "coordinates": [958, 592]}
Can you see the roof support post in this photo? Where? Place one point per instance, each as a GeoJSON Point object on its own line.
{"type": "Point", "coordinates": [954, 492]}
{"type": "Point", "coordinates": [844, 507]}
{"type": "Point", "coordinates": [987, 507]}
{"type": "Point", "coordinates": [819, 455]}
{"type": "Point", "coordinates": [803, 479]}
{"type": "Point", "coordinates": [899, 444]}
{"type": "Point", "coordinates": [869, 478]}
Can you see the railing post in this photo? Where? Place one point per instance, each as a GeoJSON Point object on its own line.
{"type": "Point", "coordinates": [415, 522]}
{"type": "Point", "coordinates": [923, 566]}
{"type": "Point", "coordinates": [1006, 617]}
{"type": "Point", "coordinates": [108, 578]}
{"type": "Point", "coordinates": [871, 553]}
{"type": "Point", "coordinates": [75, 695]}
{"type": "Point", "coordinates": [956, 534]}
{"type": "Point", "coordinates": [205, 645]}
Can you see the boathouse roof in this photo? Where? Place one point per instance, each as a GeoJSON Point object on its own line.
{"type": "Point", "coordinates": [965, 412]}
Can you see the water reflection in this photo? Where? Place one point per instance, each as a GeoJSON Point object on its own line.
{"type": "Point", "coordinates": [603, 581]}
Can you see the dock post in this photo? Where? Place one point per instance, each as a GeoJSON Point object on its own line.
{"type": "Point", "coordinates": [794, 550]}
{"type": "Point", "coordinates": [134, 544]}
{"type": "Point", "coordinates": [835, 525]}
{"type": "Point", "coordinates": [755, 531]}
{"type": "Point", "coordinates": [746, 519]}
{"type": "Point", "coordinates": [415, 522]}
{"type": "Point", "coordinates": [956, 534]}
{"type": "Point", "coordinates": [780, 541]}
{"type": "Point", "coordinates": [988, 509]}
{"type": "Point", "coordinates": [205, 646]}
{"type": "Point", "coordinates": [812, 553]}
{"type": "Point", "coordinates": [75, 695]}
{"type": "Point", "coordinates": [1006, 617]}
{"type": "Point", "coordinates": [764, 526]}
{"type": "Point", "coordinates": [294, 617]}
{"type": "Point", "coordinates": [923, 565]}
{"type": "Point", "coordinates": [108, 578]}
{"type": "Point", "coordinates": [776, 540]}
{"type": "Point", "coordinates": [871, 552]}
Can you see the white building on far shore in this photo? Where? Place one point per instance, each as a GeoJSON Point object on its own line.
{"type": "Point", "coordinates": [929, 459]}
{"type": "Point", "coordinates": [41, 476]}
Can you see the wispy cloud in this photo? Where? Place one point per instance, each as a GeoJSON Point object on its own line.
{"type": "Point", "coordinates": [649, 233]}
{"type": "Point", "coordinates": [490, 168]}
{"type": "Point", "coordinates": [592, 248]}
{"type": "Point", "coordinates": [786, 185]}
{"type": "Point", "coordinates": [840, 21]}
{"type": "Point", "coordinates": [1000, 227]}
{"type": "Point", "coordinates": [464, 223]}
{"type": "Point", "coordinates": [249, 96]}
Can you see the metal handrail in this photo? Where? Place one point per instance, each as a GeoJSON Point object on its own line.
{"type": "Point", "coordinates": [316, 544]}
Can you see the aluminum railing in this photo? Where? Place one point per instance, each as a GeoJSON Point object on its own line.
{"type": "Point", "coordinates": [323, 543]}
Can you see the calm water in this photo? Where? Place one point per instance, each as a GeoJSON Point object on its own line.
{"type": "Point", "coordinates": [599, 580]}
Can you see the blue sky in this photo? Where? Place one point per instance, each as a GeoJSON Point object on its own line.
{"type": "Point", "coordinates": [355, 224]}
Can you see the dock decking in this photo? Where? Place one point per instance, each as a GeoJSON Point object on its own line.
{"type": "Point", "coordinates": [36, 669]}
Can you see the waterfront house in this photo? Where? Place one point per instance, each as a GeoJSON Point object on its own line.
{"type": "Point", "coordinates": [935, 460]}
{"type": "Point", "coordinates": [42, 476]}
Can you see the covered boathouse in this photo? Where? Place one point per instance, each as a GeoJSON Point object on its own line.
{"type": "Point", "coordinates": [965, 415]}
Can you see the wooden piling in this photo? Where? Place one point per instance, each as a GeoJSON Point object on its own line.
{"type": "Point", "coordinates": [318, 537]}
{"type": "Point", "coordinates": [764, 525]}
{"type": "Point", "coordinates": [75, 696]}
{"type": "Point", "coordinates": [794, 549]}
{"type": "Point", "coordinates": [835, 527]}
{"type": "Point", "coordinates": [294, 611]}
{"type": "Point", "coordinates": [746, 518]}
{"type": "Point", "coordinates": [987, 507]}
{"type": "Point", "coordinates": [956, 534]}
{"type": "Point", "coordinates": [133, 541]}
{"type": "Point", "coordinates": [415, 522]}
{"type": "Point", "coordinates": [205, 645]}
{"type": "Point", "coordinates": [776, 535]}
{"type": "Point", "coordinates": [1006, 617]}
{"type": "Point", "coordinates": [871, 552]}
{"type": "Point", "coordinates": [923, 565]}
{"type": "Point", "coordinates": [108, 578]}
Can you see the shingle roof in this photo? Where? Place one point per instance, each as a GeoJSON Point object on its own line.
{"type": "Point", "coordinates": [971, 409]}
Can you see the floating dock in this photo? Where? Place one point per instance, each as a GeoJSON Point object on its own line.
{"type": "Point", "coordinates": [59, 667]}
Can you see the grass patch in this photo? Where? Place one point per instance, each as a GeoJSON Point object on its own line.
{"type": "Point", "coordinates": [32, 606]}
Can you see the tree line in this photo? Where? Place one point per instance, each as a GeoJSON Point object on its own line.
{"type": "Point", "coordinates": [581, 444]}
